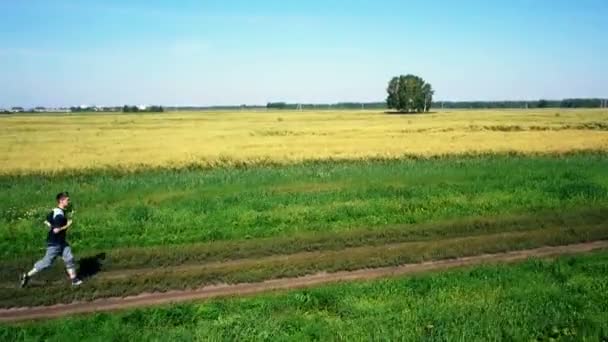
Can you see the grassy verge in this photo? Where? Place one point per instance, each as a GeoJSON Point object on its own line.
{"type": "Point", "coordinates": [250, 270]}
{"type": "Point", "coordinates": [563, 299]}
{"type": "Point", "coordinates": [159, 207]}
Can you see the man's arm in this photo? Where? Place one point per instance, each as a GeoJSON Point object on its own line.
{"type": "Point", "coordinates": [49, 219]}
{"type": "Point", "coordinates": [57, 230]}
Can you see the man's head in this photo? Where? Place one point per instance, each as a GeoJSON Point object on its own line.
{"type": "Point", "coordinates": [63, 199]}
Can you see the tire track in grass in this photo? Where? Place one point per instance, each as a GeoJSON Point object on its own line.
{"type": "Point", "coordinates": [224, 290]}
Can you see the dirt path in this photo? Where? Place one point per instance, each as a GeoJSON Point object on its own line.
{"type": "Point", "coordinates": [150, 299]}
{"type": "Point", "coordinates": [169, 270]}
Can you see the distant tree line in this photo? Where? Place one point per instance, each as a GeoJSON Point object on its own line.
{"type": "Point", "coordinates": [565, 103]}
{"type": "Point", "coordinates": [496, 104]}
{"type": "Point", "coordinates": [82, 109]}
{"type": "Point", "coordinates": [220, 107]}
{"type": "Point", "coordinates": [339, 105]}
{"type": "Point", "coordinates": [583, 103]}
{"type": "Point", "coordinates": [149, 109]}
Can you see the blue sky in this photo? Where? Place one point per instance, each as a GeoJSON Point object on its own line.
{"type": "Point", "coordinates": [69, 52]}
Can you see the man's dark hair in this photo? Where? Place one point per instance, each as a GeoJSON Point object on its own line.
{"type": "Point", "coordinates": [62, 195]}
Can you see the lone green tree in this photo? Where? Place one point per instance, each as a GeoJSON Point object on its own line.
{"type": "Point", "coordinates": [409, 93]}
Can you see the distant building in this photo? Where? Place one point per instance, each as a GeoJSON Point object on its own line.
{"type": "Point", "coordinates": [142, 107]}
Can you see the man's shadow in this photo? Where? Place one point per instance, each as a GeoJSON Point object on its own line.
{"type": "Point", "coordinates": [90, 266]}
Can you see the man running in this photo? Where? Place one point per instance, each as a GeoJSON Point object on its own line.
{"type": "Point", "coordinates": [58, 224]}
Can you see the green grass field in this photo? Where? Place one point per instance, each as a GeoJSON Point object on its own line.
{"type": "Point", "coordinates": [347, 212]}
{"type": "Point", "coordinates": [163, 207]}
{"type": "Point", "coordinates": [565, 300]}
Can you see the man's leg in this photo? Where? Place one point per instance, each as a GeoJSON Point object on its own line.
{"type": "Point", "coordinates": [68, 259]}
{"type": "Point", "coordinates": [51, 253]}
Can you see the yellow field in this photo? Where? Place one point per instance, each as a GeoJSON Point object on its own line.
{"type": "Point", "coordinates": [51, 143]}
